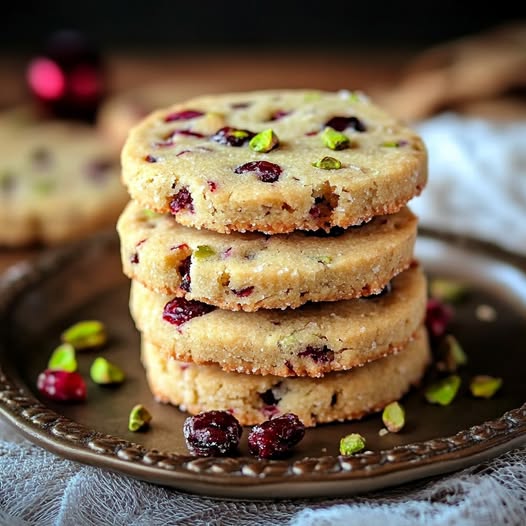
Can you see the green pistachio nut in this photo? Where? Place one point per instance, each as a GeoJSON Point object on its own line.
{"type": "Point", "coordinates": [150, 214]}
{"type": "Point", "coordinates": [324, 259]}
{"type": "Point", "coordinates": [264, 142]}
{"type": "Point", "coordinates": [483, 386]}
{"type": "Point", "coordinates": [85, 335]}
{"type": "Point", "coordinates": [350, 444]}
{"type": "Point", "coordinates": [312, 96]}
{"type": "Point", "coordinates": [453, 354]}
{"type": "Point", "coordinates": [239, 134]}
{"type": "Point", "coordinates": [139, 418]}
{"type": "Point", "coordinates": [203, 252]}
{"type": "Point", "coordinates": [104, 372]}
{"type": "Point", "coordinates": [333, 139]}
{"type": "Point", "coordinates": [63, 359]}
{"type": "Point", "coordinates": [447, 290]}
{"type": "Point", "coordinates": [393, 417]}
{"type": "Point", "coordinates": [328, 163]}
{"type": "Point", "coordinates": [390, 144]}
{"type": "Point", "coordinates": [444, 391]}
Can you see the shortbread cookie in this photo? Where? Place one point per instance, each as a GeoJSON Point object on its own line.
{"type": "Point", "coordinates": [252, 270]}
{"type": "Point", "coordinates": [253, 398]}
{"type": "Point", "coordinates": [309, 341]}
{"type": "Point", "coordinates": [58, 182]}
{"type": "Point", "coordinates": [325, 160]}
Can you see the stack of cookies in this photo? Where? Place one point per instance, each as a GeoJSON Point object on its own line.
{"type": "Point", "coordinates": [271, 254]}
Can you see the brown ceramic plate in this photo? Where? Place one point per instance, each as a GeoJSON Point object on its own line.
{"type": "Point", "coordinates": [38, 300]}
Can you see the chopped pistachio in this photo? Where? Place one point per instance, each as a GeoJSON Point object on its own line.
{"type": "Point", "coordinates": [289, 342]}
{"type": "Point", "coordinates": [483, 386]}
{"type": "Point", "coordinates": [139, 418]}
{"type": "Point", "coordinates": [328, 163]}
{"type": "Point", "coordinates": [351, 444]}
{"type": "Point", "coordinates": [63, 359]}
{"type": "Point", "coordinates": [264, 142]}
{"type": "Point", "coordinates": [447, 290]}
{"type": "Point", "coordinates": [312, 96]}
{"type": "Point", "coordinates": [324, 259]}
{"type": "Point", "coordinates": [390, 144]}
{"type": "Point", "coordinates": [452, 355]}
{"type": "Point", "coordinates": [150, 214]}
{"type": "Point", "coordinates": [393, 417]}
{"type": "Point", "coordinates": [85, 334]}
{"type": "Point", "coordinates": [239, 134]}
{"type": "Point", "coordinates": [333, 139]}
{"type": "Point", "coordinates": [44, 186]}
{"type": "Point", "coordinates": [203, 252]}
{"type": "Point", "coordinates": [104, 372]}
{"type": "Point", "coordinates": [444, 391]}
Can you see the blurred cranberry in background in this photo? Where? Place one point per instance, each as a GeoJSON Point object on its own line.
{"type": "Point", "coordinates": [67, 78]}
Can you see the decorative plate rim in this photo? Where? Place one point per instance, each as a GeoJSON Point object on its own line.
{"type": "Point", "coordinates": [76, 441]}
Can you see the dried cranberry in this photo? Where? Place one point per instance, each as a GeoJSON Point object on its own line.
{"type": "Point", "coordinates": [268, 397]}
{"type": "Point", "coordinates": [243, 293]}
{"type": "Point", "coordinates": [318, 354]}
{"type": "Point", "coordinates": [232, 136]}
{"type": "Point", "coordinates": [187, 133]}
{"type": "Point", "coordinates": [62, 386]}
{"type": "Point", "coordinates": [181, 310]}
{"type": "Point", "coordinates": [265, 171]}
{"type": "Point", "coordinates": [342, 123]}
{"type": "Point", "coordinates": [212, 186]}
{"type": "Point", "coordinates": [279, 114]}
{"type": "Point", "coordinates": [275, 438]}
{"type": "Point", "coordinates": [212, 433]}
{"type": "Point", "coordinates": [184, 115]}
{"type": "Point", "coordinates": [134, 258]}
{"type": "Point", "coordinates": [184, 270]}
{"type": "Point", "coordinates": [182, 200]}
{"type": "Point", "coordinates": [438, 317]}
{"type": "Point", "coordinates": [150, 159]}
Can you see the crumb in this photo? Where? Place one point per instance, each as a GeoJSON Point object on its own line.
{"type": "Point", "coordinates": [486, 313]}
{"type": "Point", "coordinates": [383, 432]}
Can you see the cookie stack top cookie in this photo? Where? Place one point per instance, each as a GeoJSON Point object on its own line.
{"type": "Point", "coordinates": [274, 161]}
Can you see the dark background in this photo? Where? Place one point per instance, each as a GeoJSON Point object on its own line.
{"type": "Point", "coordinates": [251, 25]}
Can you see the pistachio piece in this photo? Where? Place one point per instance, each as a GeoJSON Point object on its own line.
{"type": "Point", "coordinates": [324, 259]}
{"type": "Point", "coordinates": [483, 386]}
{"type": "Point", "coordinates": [393, 417]}
{"type": "Point", "coordinates": [85, 334]}
{"type": "Point", "coordinates": [447, 290]}
{"type": "Point", "coordinates": [452, 355]}
{"type": "Point", "coordinates": [444, 391]}
{"type": "Point", "coordinates": [139, 419]}
{"type": "Point", "coordinates": [351, 444]}
{"type": "Point", "coordinates": [333, 139]}
{"type": "Point", "coordinates": [312, 96]}
{"type": "Point", "coordinates": [150, 214]}
{"type": "Point", "coordinates": [104, 372]}
{"type": "Point", "coordinates": [203, 252]}
{"type": "Point", "coordinates": [63, 359]}
{"type": "Point", "coordinates": [328, 163]}
{"type": "Point", "coordinates": [264, 142]}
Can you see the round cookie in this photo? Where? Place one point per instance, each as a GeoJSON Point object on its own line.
{"type": "Point", "coordinates": [196, 161]}
{"type": "Point", "coordinates": [309, 341]}
{"type": "Point", "coordinates": [58, 182]}
{"type": "Point", "coordinates": [252, 271]}
{"type": "Point", "coordinates": [252, 399]}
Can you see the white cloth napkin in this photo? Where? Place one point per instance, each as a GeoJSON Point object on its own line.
{"type": "Point", "coordinates": [477, 187]}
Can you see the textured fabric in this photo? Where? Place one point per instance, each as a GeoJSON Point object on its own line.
{"type": "Point", "coordinates": [478, 173]}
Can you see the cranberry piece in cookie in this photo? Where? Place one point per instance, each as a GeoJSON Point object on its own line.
{"type": "Point", "coordinates": [265, 171]}
{"type": "Point", "coordinates": [181, 310]}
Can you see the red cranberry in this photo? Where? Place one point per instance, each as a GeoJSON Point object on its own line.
{"type": "Point", "coordinates": [342, 123]}
{"type": "Point", "coordinates": [229, 137]}
{"type": "Point", "coordinates": [265, 171]}
{"type": "Point", "coordinates": [184, 115]}
{"type": "Point", "coordinates": [279, 114]}
{"type": "Point", "coordinates": [243, 293]}
{"type": "Point", "coordinates": [181, 310]}
{"type": "Point", "coordinates": [318, 354]}
{"type": "Point", "coordinates": [438, 317]}
{"type": "Point", "coordinates": [150, 159]}
{"type": "Point", "coordinates": [182, 200]}
{"type": "Point", "coordinates": [212, 186]}
{"type": "Point", "coordinates": [212, 433]}
{"type": "Point", "coordinates": [134, 258]}
{"type": "Point", "coordinates": [275, 438]}
{"type": "Point", "coordinates": [186, 133]}
{"type": "Point", "coordinates": [184, 270]}
{"type": "Point", "coordinates": [62, 386]}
